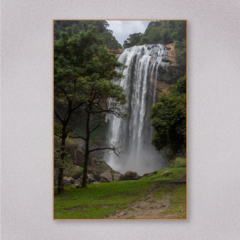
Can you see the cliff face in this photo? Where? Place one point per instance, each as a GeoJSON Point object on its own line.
{"type": "Point", "coordinates": [166, 75]}
{"type": "Point", "coordinates": [171, 54]}
{"type": "Point", "coordinates": [117, 52]}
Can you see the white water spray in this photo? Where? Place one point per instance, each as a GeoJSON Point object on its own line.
{"type": "Point", "coordinates": [134, 134]}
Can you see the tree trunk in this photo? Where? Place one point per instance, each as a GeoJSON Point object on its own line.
{"type": "Point", "coordinates": [60, 181]}
{"type": "Point", "coordinates": [60, 176]}
{"type": "Point", "coordinates": [84, 181]}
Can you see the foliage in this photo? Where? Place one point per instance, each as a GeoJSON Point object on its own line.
{"type": "Point", "coordinates": [84, 75]}
{"type": "Point", "coordinates": [75, 172]}
{"type": "Point", "coordinates": [180, 48]}
{"type": "Point", "coordinates": [178, 163]}
{"type": "Point", "coordinates": [163, 32]}
{"type": "Point", "coordinates": [169, 121]}
{"type": "Point", "coordinates": [78, 26]}
{"type": "Point", "coordinates": [62, 162]}
{"type": "Point", "coordinates": [133, 40]}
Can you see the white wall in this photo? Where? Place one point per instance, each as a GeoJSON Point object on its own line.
{"type": "Point", "coordinates": [213, 119]}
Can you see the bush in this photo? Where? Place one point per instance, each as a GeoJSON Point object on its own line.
{"type": "Point", "coordinates": [78, 173]}
{"type": "Point", "coordinates": [178, 163]}
{"type": "Point", "coordinates": [75, 172]}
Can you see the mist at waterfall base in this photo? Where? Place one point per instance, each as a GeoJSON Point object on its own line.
{"type": "Point", "coordinates": [135, 133]}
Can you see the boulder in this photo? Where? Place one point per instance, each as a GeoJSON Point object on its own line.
{"type": "Point", "coordinates": [122, 177]}
{"type": "Point", "coordinates": [116, 177]}
{"type": "Point", "coordinates": [96, 175]}
{"type": "Point", "coordinates": [111, 177]}
{"type": "Point", "coordinates": [68, 181]}
{"type": "Point", "coordinates": [78, 181]}
{"type": "Point", "coordinates": [129, 175]}
{"type": "Point", "coordinates": [90, 178]}
{"type": "Point", "coordinates": [89, 181]}
{"type": "Point", "coordinates": [107, 176]}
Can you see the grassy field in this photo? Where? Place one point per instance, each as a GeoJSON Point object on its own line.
{"type": "Point", "coordinates": [100, 200]}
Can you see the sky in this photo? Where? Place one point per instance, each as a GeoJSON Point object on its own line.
{"type": "Point", "coordinates": [122, 29]}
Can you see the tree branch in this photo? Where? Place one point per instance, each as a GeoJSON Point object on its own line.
{"type": "Point", "coordinates": [78, 136]}
{"type": "Point", "coordinates": [79, 105]}
{"type": "Point", "coordinates": [58, 116]}
{"type": "Point", "coordinates": [105, 148]}
{"type": "Point", "coordinates": [95, 128]}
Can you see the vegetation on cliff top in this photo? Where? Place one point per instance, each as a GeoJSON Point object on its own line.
{"type": "Point", "coordinates": [163, 32]}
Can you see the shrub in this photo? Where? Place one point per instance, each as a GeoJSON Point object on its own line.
{"type": "Point", "coordinates": [75, 172]}
{"type": "Point", "coordinates": [178, 163]}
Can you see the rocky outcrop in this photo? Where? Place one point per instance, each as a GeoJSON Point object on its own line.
{"type": "Point", "coordinates": [171, 54]}
{"type": "Point", "coordinates": [117, 52]}
{"type": "Point", "coordinates": [168, 74]}
{"type": "Point", "coordinates": [111, 177]}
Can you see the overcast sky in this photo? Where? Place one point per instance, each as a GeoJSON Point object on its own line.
{"type": "Point", "coordinates": [122, 29]}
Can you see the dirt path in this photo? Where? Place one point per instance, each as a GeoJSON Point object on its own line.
{"type": "Point", "coordinates": [147, 207]}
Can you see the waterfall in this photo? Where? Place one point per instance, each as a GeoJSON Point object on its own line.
{"type": "Point", "coordinates": [134, 134]}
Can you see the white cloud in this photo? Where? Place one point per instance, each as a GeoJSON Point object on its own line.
{"type": "Point", "coordinates": [122, 29]}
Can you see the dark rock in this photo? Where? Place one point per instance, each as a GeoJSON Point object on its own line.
{"type": "Point", "coordinates": [129, 175]}
{"type": "Point", "coordinates": [122, 177]}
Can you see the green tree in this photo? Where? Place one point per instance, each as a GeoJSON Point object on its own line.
{"type": "Point", "coordinates": [83, 70]}
{"type": "Point", "coordinates": [133, 39]}
{"type": "Point", "coordinates": [77, 26]}
{"type": "Point", "coordinates": [169, 121]}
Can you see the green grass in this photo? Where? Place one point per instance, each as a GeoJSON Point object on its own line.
{"type": "Point", "coordinates": [100, 200]}
{"type": "Point", "coordinates": [178, 202]}
{"type": "Point", "coordinates": [177, 173]}
{"type": "Point", "coordinates": [162, 191]}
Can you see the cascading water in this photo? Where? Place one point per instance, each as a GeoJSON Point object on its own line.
{"type": "Point", "coordinates": [134, 134]}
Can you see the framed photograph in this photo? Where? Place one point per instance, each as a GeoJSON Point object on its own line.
{"type": "Point", "coordinates": [120, 119]}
